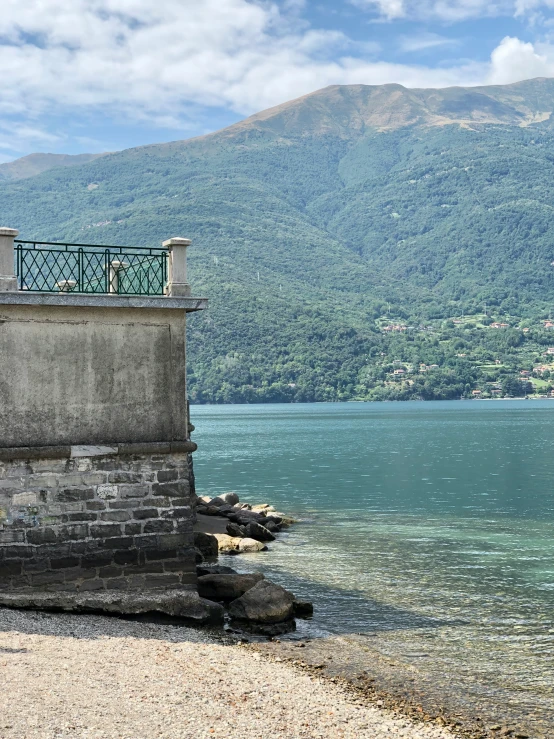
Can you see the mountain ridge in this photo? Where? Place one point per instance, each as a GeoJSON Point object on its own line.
{"type": "Point", "coordinates": [314, 232]}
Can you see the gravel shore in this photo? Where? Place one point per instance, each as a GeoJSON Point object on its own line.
{"type": "Point", "coordinates": [91, 676]}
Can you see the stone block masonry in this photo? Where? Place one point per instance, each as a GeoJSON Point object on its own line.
{"type": "Point", "coordinates": [96, 519]}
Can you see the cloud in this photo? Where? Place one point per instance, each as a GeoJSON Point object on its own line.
{"type": "Point", "coordinates": [514, 60]}
{"type": "Point", "coordinates": [451, 10]}
{"type": "Point", "coordinates": [423, 41]}
{"type": "Point", "coordinates": [166, 61]}
{"type": "Point", "coordinates": [159, 60]}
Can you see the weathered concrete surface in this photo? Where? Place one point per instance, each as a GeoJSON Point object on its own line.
{"type": "Point", "coordinates": [183, 604]}
{"type": "Point", "coordinates": [72, 375]}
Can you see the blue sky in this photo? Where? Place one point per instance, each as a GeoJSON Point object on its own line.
{"type": "Point", "coordinates": [101, 75]}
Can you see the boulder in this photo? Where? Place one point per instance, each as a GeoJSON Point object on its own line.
{"type": "Point", "coordinates": [226, 587]}
{"type": "Point", "coordinates": [201, 509]}
{"type": "Point", "coordinates": [230, 498]}
{"type": "Point", "coordinates": [272, 526]}
{"type": "Point", "coordinates": [206, 544]}
{"type": "Point", "coordinates": [205, 499]}
{"type": "Point", "coordinates": [260, 507]}
{"type": "Point", "coordinates": [233, 529]}
{"type": "Point", "coordinates": [225, 509]}
{"type": "Point", "coordinates": [251, 545]}
{"type": "Point", "coordinates": [216, 502]}
{"type": "Point", "coordinates": [227, 543]}
{"type": "Point", "coordinates": [303, 608]}
{"type": "Point", "coordinates": [212, 510]}
{"type": "Point", "coordinates": [275, 519]}
{"type": "Point", "coordinates": [265, 602]}
{"type": "Point", "coordinates": [198, 556]}
{"type": "Point", "coordinates": [204, 569]}
{"type": "Point", "coordinates": [260, 533]}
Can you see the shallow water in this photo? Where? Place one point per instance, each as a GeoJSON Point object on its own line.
{"type": "Point", "coordinates": [427, 527]}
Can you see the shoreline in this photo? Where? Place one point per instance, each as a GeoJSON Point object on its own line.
{"type": "Point", "coordinates": [380, 680]}
{"type": "Point", "coordinates": [103, 677]}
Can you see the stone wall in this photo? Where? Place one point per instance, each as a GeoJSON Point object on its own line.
{"type": "Point", "coordinates": [97, 519]}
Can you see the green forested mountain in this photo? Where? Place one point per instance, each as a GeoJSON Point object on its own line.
{"type": "Point", "coordinates": [319, 224]}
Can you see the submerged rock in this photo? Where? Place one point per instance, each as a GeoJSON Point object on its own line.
{"type": "Point", "coordinates": [226, 587]}
{"type": "Point", "coordinates": [265, 602]}
{"type": "Point", "coordinates": [303, 608]}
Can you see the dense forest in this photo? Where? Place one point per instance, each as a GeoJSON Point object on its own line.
{"type": "Point", "coordinates": [340, 262]}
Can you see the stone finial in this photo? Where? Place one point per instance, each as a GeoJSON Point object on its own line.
{"type": "Point", "coordinates": [177, 285]}
{"type": "Point", "coordinates": [8, 280]}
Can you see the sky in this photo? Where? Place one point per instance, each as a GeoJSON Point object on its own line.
{"type": "Point", "coordinates": [103, 75]}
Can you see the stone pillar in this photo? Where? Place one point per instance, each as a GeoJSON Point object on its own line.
{"type": "Point", "coordinates": [8, 281]}
{"type": "Point", "coordinates": [177, 280]}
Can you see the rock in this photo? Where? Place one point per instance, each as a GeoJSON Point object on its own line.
{"type": "Point", "coordinates": [227, 543]}
{"type": "Point", "coordinates": [272, 526]}
{"type": "Point", "coordinates": [243, 517]}
{"type": "Point", "coordinates": [212, 510]}
{"type": "Point", "coordinates": [183, 604]}
{"type": "Point", "coordinates": [225, 509]}
{"type": "Point", "coordinates": [233, 529]}
{"type": "Point", "coordinates": [303, 608]}
{"type": "Point", "coordinates": [275, 519]}
{"type": "Point", "coordinates": [198, 556]}
{"type": "Point", "coordinates": [204, 569]}
{"type": "Point", "coordinates": [205, 499]}
{"type": "Point", "coordinates": [260, 533]}
{"type": "Point", "coordinates": [254, 627]}
{"type": "Point", "coordinates": [260, 507]}
{"type": "Point", "coordinates": [266, 602]}
{"type": "Point", "coordinates": [206, 544]}
{"type": "Point", "coordinates": [251, 545]}
{"type": "Point", "coordinates": [226, 587]}
{"type": "Point", "coordinates": [230, 498]}
{"type": "Point", "coordinates": [216, 502]}
{"type": "Point", "coordinates": [201, 509]}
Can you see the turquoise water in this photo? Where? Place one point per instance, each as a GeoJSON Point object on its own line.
{"type": "Point", "coordinates": [426, 527]}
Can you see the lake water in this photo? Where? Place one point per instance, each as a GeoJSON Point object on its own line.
{"type": "Point", "coordinates": [427, 529]}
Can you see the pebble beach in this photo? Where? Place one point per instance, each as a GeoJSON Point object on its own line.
{"type": "Point", "coordinates": [103, 677]}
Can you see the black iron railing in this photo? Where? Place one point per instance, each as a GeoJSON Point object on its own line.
{"type": "Point", "coordinates": [89, 268]}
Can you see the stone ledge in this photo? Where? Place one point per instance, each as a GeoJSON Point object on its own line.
{"type": "Point", "coordinates": [185, 605]}
{"type": "Point", "coordinates": [82, 300]}
{"type": "Point", "coordinates": [66, 452]}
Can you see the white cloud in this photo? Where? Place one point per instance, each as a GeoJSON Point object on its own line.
{"type": "Point", "coordinates": [163, 61]}
{"type": "Point", "coordinates": [451, 10]}
{"type": "Point", "coordinates": [423, 41]}
{"type": "Point", "coordinates": [514, 60]}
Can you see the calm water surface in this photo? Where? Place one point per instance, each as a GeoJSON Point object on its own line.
{"type": "Point", "coordinates": [427, 527]}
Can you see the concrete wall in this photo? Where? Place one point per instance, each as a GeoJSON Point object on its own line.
{"type": "Point", "coordinates": [72, 374]}
{"type": "Point", "coordinates": [107, 522]}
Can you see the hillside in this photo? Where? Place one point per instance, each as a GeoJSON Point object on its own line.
{"type": "Point", "coordinates": [34, 164]}
{"type": "Point", "coordinates": [322, 222]}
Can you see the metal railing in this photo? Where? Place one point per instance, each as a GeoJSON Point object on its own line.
{"type": "Point", "coordinates": [88, 268]}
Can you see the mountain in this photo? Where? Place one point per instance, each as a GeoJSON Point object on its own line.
{"type": "Point", "coordinates": [34, 164]}
{"type": "Point", "coordinates": [322, 223]}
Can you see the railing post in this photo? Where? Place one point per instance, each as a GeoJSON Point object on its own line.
{"type": "Point", "coordinates": [177, 285]}
{"type": "Point", "coordinates": [8, 281]}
